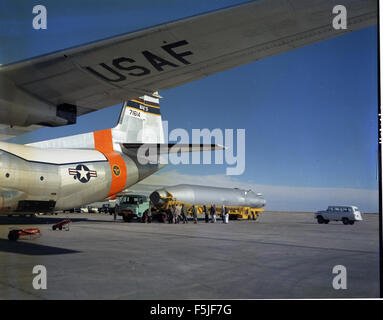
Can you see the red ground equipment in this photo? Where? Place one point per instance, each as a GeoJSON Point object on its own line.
{"type": "Point", "coordinates": [64, 224]}
{"type": "Point", "coordinates": [30, 234]}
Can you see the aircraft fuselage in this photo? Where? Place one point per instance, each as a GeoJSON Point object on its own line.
{"type": "Point", "coordinates": [43, 180]}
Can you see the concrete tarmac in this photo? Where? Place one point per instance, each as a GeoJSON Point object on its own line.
{"type": "Point", "coordinates": [282, 255]}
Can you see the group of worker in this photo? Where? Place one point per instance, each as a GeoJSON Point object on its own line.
{"type": "Point", "coordinates": [177, 213]}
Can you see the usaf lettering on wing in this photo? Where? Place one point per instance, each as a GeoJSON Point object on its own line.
{"type": "Point", "coordinates": [119, 68]}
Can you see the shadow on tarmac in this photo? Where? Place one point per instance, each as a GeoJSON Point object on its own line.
{"type": "Point", "coordinates": [32, 249]}
{"type": "Point", "coordinates": [20, 220]}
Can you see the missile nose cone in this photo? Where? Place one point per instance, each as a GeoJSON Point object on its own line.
{"type": "Point", "coordinates": [263, 202]}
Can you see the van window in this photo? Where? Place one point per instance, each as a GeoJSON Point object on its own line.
{"type": "Point", "coordinates": [337, 209]}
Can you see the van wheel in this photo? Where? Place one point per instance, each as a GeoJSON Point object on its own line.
{"type": "Point", "coordinates": [320, 220]}
{"type": "Point", "coordinates": [326, 221]}
{"type": "Point", "coordinates": [351, 222]}
{"type": "Point", "coordinates": [345, 221]}
{"type": "Point", "coordinates": [126, 218]}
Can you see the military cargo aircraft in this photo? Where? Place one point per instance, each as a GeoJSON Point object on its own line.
{"type": "Point", "coordinates": [54, 89]}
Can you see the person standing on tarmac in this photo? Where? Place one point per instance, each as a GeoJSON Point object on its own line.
{"type": "Point", "coordinates": [194, 211]}
{"type": "Point", "coordinates": [177, 214]}
{"type": "Point", "coordinates": [212, 213]}
{"type": "Point", "coordinates": [174, 213]}
{"type": "Point", "coordinates": [206, 214]}
{"type": "Point", "coordinates": [226, 215]}
{"type": "Point", "coordinates": [184, 214]}
{"type": "Point", "coordinates": [223, 213]}
{"type": "Point", "coordinates": [170, 214]}
{"type": "Point", "coordinates": [115, 212]}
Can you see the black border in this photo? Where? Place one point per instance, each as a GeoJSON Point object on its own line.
{"type": "Point", "coordinates": [379, 164]}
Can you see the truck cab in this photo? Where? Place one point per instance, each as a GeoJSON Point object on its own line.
{"type": "Point", "coordinates": [346, 214]}
{"type": "Point", "coordinates": [133, 206]}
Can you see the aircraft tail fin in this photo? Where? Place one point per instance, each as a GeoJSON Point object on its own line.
{"type": "Point", "coordinates": [139, 124]}
{"type": "Point", "coordinates": [140, 121]}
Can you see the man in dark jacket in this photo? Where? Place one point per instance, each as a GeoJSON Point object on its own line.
{"type": "Point", "coordinates": [212, 213]}
{"type": "Point", "coordinates": [206, 214]}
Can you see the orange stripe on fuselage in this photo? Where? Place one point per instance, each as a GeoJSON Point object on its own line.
{"type": "Point", "coordinates": [103, 142]}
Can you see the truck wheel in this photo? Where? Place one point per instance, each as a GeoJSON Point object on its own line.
{"type": "Point", "coordinates": [53, 228]}
{"type": "Point", "coordinates": [326, 221]}
{"type": "Point", "coordinates": [144, 217]}
{"type": "Point", "coordinates": [320, 220]}
{"type": "Point", "coordinates": [351, 222]}
{"type": "Point", "coordinates": [125, 218]}
{"type": "Point", "coordinates": [345, 221]}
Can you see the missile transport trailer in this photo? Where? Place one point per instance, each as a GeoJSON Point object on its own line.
{"type": "Point", "coordinates": [243, 204]}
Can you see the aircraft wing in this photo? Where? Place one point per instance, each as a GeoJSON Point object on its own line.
{"type": "Point", "coordinates": [8, 132]}
{"type": "Point", "coordinates": [86, 78]}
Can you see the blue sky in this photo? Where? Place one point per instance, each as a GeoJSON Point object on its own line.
{"type": "Point", "coordinates": [310, 114]}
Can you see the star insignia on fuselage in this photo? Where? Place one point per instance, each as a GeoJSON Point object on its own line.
{"type": "Point", "coordinates": [82, 173]}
